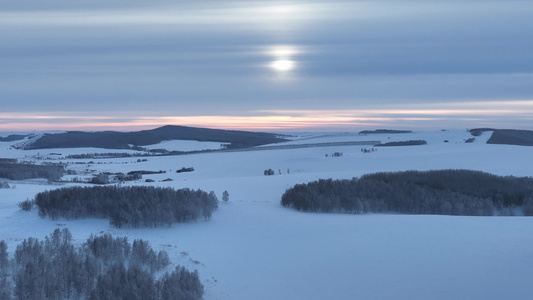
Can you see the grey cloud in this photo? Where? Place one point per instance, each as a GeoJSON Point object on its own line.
{"type": "Point", "coordinates": [353, 54]}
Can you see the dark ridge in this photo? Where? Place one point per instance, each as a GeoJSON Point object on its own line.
{"type": "Point", "coordinates": [124, 140]}
{"type": "Point", "coordinates": [380, 131]}
{"type": "Point", "coordinates": [12, 137]}
{"type": "Point", "coordinates": [511, 137]}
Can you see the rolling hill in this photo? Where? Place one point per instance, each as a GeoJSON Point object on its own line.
{"type": "Point", "coordinates": [128, 140]}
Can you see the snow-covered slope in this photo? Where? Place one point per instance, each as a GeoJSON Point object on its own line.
{"type": "Point", "coordinates": [253, 248]}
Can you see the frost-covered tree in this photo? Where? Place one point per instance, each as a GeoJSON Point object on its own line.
{"type": "Point", "coordinates": [3, 256]}
{"type": "Point", "coordinates": [181, 284]}
{"type": "Point", "coordinates": [102, 268]}
{"type": "Point", "coordinates": [225, 196]}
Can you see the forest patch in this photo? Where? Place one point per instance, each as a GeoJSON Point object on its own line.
{"type": "Point", "coordinates": [448, 192]}
{"type": "Point", "coordinates": [134, 206]}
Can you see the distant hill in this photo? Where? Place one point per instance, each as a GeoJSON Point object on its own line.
{"type": "Point", "coordinates": [128, 140]}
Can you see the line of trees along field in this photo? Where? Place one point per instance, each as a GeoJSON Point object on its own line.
{"type": "Point", "coordinates": [21, 171]}
{"type": "Point", "coordinates": [449, 192]}
{"type": "Point", "coordinates": [101, 268]}
{"type": "Point", "coordinates": [131, 206]}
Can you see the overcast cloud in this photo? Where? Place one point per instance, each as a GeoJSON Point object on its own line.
{"type": "Point", "coordinates": [68, 64]}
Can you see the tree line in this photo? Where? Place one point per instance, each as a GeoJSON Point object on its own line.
{"type": "Point", "coordinates": [21, 171]}
{"type": "Point", "coordinates": [101, 268]}
{"type": "Point", "coordinates": [450, 192]}
{"type": "Point", "coordinates": [133, 206]}
{"type": "Point", "coordinates": [403, 143]}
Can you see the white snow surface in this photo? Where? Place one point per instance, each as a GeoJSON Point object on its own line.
{"type": "Point", "coordinates": [253, 248]}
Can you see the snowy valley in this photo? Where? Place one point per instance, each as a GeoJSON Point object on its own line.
{"type": "Point", "coordinates": [254, 248]}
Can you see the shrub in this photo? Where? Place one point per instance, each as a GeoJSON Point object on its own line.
{"type": "Point", "coordinates": [225, 196]}
{"type": "Point", "coordinates": [26, 205]}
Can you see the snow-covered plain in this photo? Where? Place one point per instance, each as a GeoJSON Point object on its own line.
{"type": "Point", "coordinates": [253, 248]}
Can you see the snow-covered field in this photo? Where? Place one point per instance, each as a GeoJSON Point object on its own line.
{"type": "Point", "coordinates": [253, 248]}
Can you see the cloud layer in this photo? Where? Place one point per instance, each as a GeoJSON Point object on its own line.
{"type": "Point", "coordinates": [179, 61]}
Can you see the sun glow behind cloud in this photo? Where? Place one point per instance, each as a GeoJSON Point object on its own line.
{"type": "Point", "coordinates": [283, 59]}
{"type": "Point", "coordinates": [282, 65]}
{"type": "Point", "coordinates": [518, 114]}
{"type": "Point", "coordinates": [265, 64]}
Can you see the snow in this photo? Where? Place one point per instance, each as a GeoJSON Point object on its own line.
{"type": "Point", "coordinates": [253, 248]}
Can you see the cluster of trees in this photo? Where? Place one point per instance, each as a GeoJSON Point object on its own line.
{"type": "Point", "coordinates": [21, 171]}
{"type": "Point", "coordinates": [134, 206]}
{"type": "Point", "coordinates": [268, 172]}
{"type": "Point", "coordinates": [479, 131]}
{"type": "Point", "coordinates": [184, 169]}
{"type": "Point", "coordinates": [26, 205]}
{"type": "Point", "coordinates": [381, 131]}
{"type": "Point", "coordinates": [101, 178]}
{"type": "Point", "coordinates": [101, 268]}
{"type": "Point", "coordinates": [105, 155]}
{"type": "Point", "coordinates": [450, 192]}
{"type": "Point", "coordinates": [145, 172]}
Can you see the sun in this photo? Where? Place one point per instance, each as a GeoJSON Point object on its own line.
{"type": "Point", "coordinates": [282, 65]}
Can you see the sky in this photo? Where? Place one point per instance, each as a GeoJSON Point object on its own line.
{"type": "Point", "coordinates": [265, 65]}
